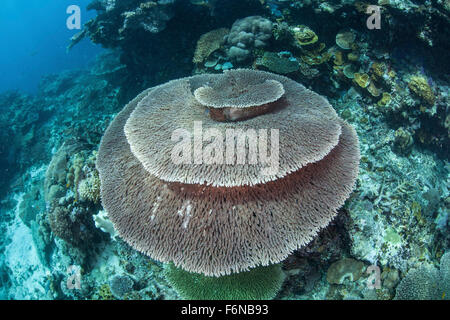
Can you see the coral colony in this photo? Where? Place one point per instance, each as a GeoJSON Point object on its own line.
{"type": "Point", "coordinates": [219, 220]}
{"type": "Point", "coordinates": [271, 150]}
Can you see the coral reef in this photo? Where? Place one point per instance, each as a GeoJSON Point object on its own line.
{"type": "Point", "coordinates": [336, 170]}
{"type": "Point", "coordinates": [246, 35]}
{"type": "Point", "coordinates": [22, 119]}
{"type": "Point", "coordinates": [389, 84]}
{"type": "Point", "coordinates": [277, 63]}
{"type": "Point", "coordinates": [343, 269]}
{"type": "Point", "coordinates": [67, 128]}
{"type": "Point", "coordinates": [70, 178]}
{"type": "Point", "coordinates": [120, 286]}
{"type": "Point", "coordinates": [151, 16]}
{"type": "Point", "coordinates": [420, 86]}
{"type": "Point", "coordinates": [208, 43]}
{"type": "Point", "coordinates": [154, 37]}
{"type": "Point", "coordinates": [426, 282]}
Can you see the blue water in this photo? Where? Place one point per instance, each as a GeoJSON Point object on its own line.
{"type": "Point", "coordinates": [34, 38]}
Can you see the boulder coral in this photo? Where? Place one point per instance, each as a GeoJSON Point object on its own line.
{"type": "Point", "coordinates": [215, 218]}
{"type": "Point", "coordinates": [247, 34]}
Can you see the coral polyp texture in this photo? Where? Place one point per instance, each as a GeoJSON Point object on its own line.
{"type": "Point", "coordinates": [258, 283]}
{"type": "Point", "coordinates": [308, 126]}
{"type": "Point", "coordinates": [247, 34]}
{"type": "Point", "coordinates": [218, 219]}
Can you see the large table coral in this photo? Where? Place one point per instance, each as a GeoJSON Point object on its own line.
{"type": "Point", "coordinates": [216, 218]}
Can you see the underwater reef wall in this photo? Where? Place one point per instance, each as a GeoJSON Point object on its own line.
{"type": "Point", "coordinates": [123, 23]}
{"type": "Point", "coordinates": [147, 32]}
{"type": "Point", "coordinates": [325, 43]}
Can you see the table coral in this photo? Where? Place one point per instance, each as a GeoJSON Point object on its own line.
{"type": "Point", "coordinates": [247, 34]}
{"type": "Point", "coordinates": [173, 199]}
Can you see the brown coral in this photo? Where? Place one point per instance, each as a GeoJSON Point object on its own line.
{"type": "Point", "coordinates": [338, 58]}
{"type": "Point", "coordinates": [239, 90]}
{"type": "Point", "coordinates": [208, 43]}
{"type": "Point", "coordinates": [239, 98]}
{"type": "Point", "coordinates": [420, 87]}
{"type": "Point", "coordinates": [385, 99]}
{"type": "Point", "coordinates": [304, 35]}
{"type": "Point", "coordinates": [309, 117]}
{"type": "Point", "coordinates": [220, 229]}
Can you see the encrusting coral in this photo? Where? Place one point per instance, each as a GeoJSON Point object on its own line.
{"type": "Point", "coordinates": [343, 269]}
{"type": "Point", "coordinates": [218, 219]}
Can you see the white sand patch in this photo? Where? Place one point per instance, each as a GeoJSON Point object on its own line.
{"type": "Point", "coordinates": [28, 275]}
